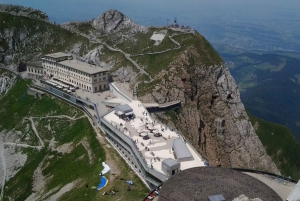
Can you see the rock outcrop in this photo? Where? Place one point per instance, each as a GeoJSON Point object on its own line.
{"type": "Point", "coordinates": [26, 34]}
{"type": "Point", "coordinates": [7, 80]}
{"type": "Point", "coordinates": [212, 116]}
{"type": "Point", "coordinates": [24, 11]}
{"type": "Point", "coordinates": [113, 21]}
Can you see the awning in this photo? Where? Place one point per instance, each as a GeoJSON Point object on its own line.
{"type": "Point", "coordinates": [128, 113]}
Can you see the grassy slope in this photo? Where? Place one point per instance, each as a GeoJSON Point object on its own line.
{"type": "Point", "coordinates": [64, 168]}
{"type": "Point", "coordinates": [207, 55]}
{"type": "Point", "coordinates": [38, 36]}
{"type": "Point", "coordinates": [158, 62]}
{"type": "Point", "coordinates": [140, 43]}
{"type": "Point", "coordinates": [280, 145]}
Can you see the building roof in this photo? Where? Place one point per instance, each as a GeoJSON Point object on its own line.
{"type": "Point", "coordinates": [216, 198]}
{"type": "Point", "coordinates": [81, 66]}
{"type": "Point", "coordinates": [200, 182]}
{"type": "Point", "coordinates": [170, 162]}
{"type": "Point", "coordinates": [35, 64]}
{"type": "Point", "coordinates": [181, 149]}
{"type": "Point", "coordinates": [58, 55]}
{"type": "Point", "coordinates": [295, 194]}
{"type": "Point", "coordinates": [124, 108]}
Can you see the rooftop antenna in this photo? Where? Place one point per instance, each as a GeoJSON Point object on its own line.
{"type": "Point", "coordinates": [175, 20]}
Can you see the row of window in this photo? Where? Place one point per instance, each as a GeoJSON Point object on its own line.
{"type": "Point", "coordinates": [73, 70]}
{"type": "Point", "coordinates": [121, 148]}
{"type": "Point", "coordinates": [34, 70]}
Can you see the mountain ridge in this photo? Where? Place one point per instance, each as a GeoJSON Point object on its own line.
{"type": "Point", "coordinates": [195, 74]}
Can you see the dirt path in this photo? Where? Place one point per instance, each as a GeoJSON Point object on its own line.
{"type": "Point", "coordinates": [63, 190]}
{"type": "Point", "coordinates": [22, 145]}
{"type": "Point", "coordinates": [86, 146]}
{"type": "Point", "coordinates": [59, 116]}
{"type": "Point", "coordinates": [3, 163]}
{"type": "Point", "coordinates": [127, 56]}
{"type": "Point", "coordinates": [109, 160]}
{"type": "Point", "coordinates": [35, 131]}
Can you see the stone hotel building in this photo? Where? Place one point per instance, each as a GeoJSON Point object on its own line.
{"type": "Point", "coordinates": [63, 67]}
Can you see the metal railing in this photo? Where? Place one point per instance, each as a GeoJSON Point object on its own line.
{"type": "Point", "coordinates": [119, 92]}
{"type": "Point", "coordinates": [135, 151]}
{"type": "Point", "coordinates": [62, 98]}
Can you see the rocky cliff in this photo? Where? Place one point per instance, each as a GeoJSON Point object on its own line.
{"type": "Point", "coordinates": [26, 34]}
{"type": "Point", "coordinates": [114, 21]}
{"type": "Point", "coordinates": [212, 116]}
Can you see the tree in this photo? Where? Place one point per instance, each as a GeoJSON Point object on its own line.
{"type": "Point", "coordinates": [22, 66]}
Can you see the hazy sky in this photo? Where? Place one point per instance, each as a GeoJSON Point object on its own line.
{"type": "Point", "coordinates": [206, 16]}
{"type": "Point", "coordinates": [157, 11]}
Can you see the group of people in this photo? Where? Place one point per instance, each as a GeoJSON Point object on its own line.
{"type": "Point", "coordinates": [112, 192]}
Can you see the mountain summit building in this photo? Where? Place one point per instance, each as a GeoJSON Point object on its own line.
{"type": "Point", "coordinates": [63, 67]}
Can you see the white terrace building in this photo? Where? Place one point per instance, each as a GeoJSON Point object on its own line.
{"type": "Point", "coordinates": [63, 67]}
{"type": "Point", "coordinates": [153, 150]}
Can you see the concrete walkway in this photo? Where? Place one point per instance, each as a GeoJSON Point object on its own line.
{"type": "Point", "coordinates": [282, 190]}
{"type": "Point", "coordinates": [3, 164]}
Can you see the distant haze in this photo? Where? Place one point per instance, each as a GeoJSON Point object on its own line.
{"type": "Point", "coordinates": [226, 22]}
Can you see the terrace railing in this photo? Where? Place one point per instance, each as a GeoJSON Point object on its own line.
{"type": "Point", "coordinates": [138, 155]}
{"type": "Point", "coordinates": [119, 94]}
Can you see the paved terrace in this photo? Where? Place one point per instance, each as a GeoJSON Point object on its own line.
{"type": "Point", "coordinates": [125, 89]}
{"type": "Point", "coordinates": [96, 98]}
{"type": "Point", "coordinates": [159, 147]}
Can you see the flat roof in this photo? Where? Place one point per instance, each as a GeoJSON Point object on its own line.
{"type": "Point", "coordinates": [158, 146]}
{"type": "Point", "coordinates": [58, 55]}
{"type": "Point", "coordinates": [124, 108]}
{"type": "Point", "coordinates": [35, 64]}
{"type": "Point", "coordinates": [181, 149]}
{"type": "Point", "coordinates": [81, 66]}
{"type": "Point", "coordinates": [170, 162]}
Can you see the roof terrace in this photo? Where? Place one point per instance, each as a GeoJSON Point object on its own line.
{"type": "Point", "coordinates": [155, 149]}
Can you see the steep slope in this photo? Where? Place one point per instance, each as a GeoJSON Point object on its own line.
{"type": "Point", "coordinates": [212, 116]}
{"type": "Point", "coordinates": [280, 144]}
{"type": "Point", "coordinates": [183, 67]}
{"type": "Point", "coordinates": [26, 38]}
{"type": "Point", "coordinates": [113, 21]}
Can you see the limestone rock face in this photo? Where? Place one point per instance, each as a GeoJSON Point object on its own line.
{"type": "Point", "coordinates": [111, 21]}
{"type": "Point", "coordinates": [212, 116]}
